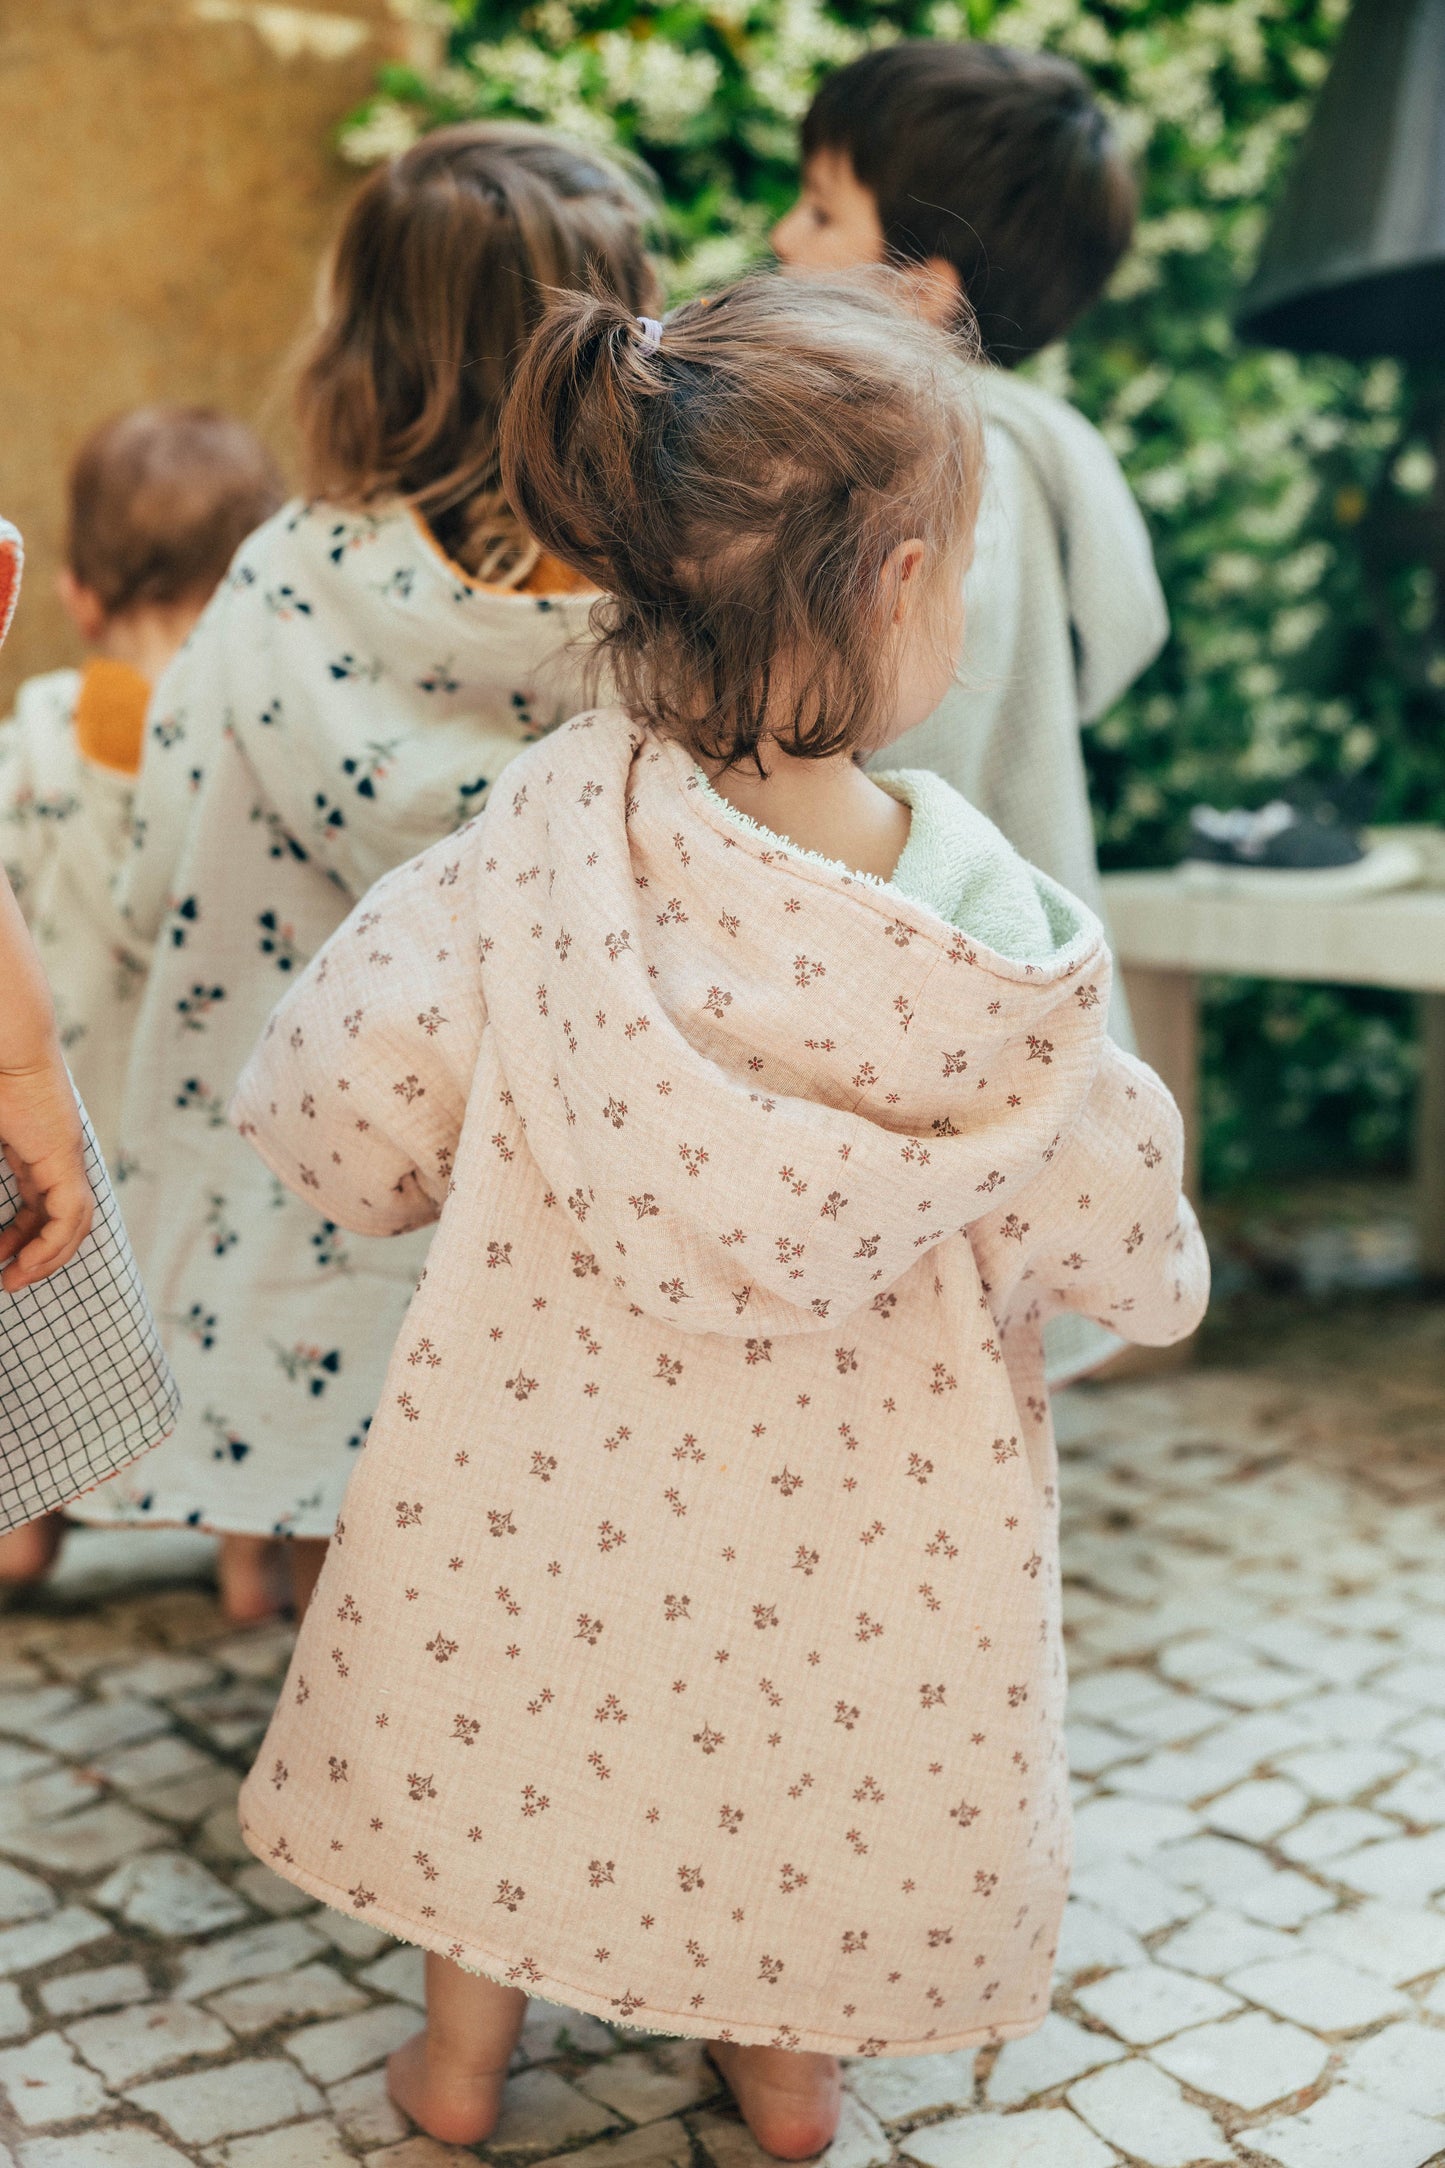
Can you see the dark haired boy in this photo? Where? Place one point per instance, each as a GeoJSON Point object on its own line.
{"type": "Point", "coordinates": [993, 177]}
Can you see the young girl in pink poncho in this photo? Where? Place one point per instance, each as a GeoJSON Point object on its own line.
{"type": "Point", "coordinates": [689, 1649]}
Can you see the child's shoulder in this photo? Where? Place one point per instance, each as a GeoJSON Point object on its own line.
{"type": "Point", "coordinates": [45, 704]}
{"type": "Point", "coordinates": [1046, 428]}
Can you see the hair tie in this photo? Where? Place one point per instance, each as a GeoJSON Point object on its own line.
{"type": "Point", "coordinates": [651, 334]}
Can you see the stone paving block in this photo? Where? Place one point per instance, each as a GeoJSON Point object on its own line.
{"type": "Point", "coordinates": [230, 2101]}
{"type": "Point", "coordinates": [1128, 1829]}
{"type": "Point", "coordinates": [170, 1894]}
{"type": "Point", "coordinates": [220, 1840]}
{"type": "Point", "coordinates": [19, 1762]}
{"type": "Point", "coordinates": [860, 2140]}
{"type": "Point", "coordinates": [897, 2086]}
{"type": "Point", "coordinates": [1219, 1941]}
{"type": "Point", "coordinates": [1345, 2129]}
{"type": "Point", "coordinates": [23, 1896]}
{"type": "Point", "coordinates": [550, 2029]}
{"type": "Point", "coordinates": [1151, 2002]}
{"type": "Point", "coordinates": [1258, 1810]}
{"type": "Point", "coordinates": [1143, 2111]}
{"type": "Point", "coordinates": [1092, 1748]}
{"type": "Point", "coordinates": [157, 1677]}
{"type": "Point", "coordinates": [44, 2082]}
{"type": "Point", "coordinates": [364, 2110]}
{"type": "Point", "coordinates": [314, 1991]}
{"type": "Point", "coordinates": [1418, 1685]}
{"type": "Point", "coordinates": [664, 2145]}
{"type": "Point", "coordinates": [15, 2020]}
{"type": "Point", "coordinates": [726, 2140]}
{"type": "Point", "coordinates": [88, 1842]}
{"type": "Point", "coordinates": [1418, 1797]}
{"type": "Point", "coordinates": [128, 2044]}
{"type": "Point", "coordinates": [269, 1893]}
{"type": "Point", "coordinates": [1338, 1659]}
{"type": "Point", "coordinates": [1347, 1719]}
{"type": "Point", "coordinates": [1403, 1870]}
{"type": "Point", "coordinates": [40, 1942]}
{"type": "Point", "coordinates": [635, 2087]}
{"type": "Point", "coordinates": [104, 1725]}
{"type": "Point", "coordinates": [1170, 1717]}
{"type": "Point", "coordinates": [1056, 2054]}
{"type": "Point", "coordinates": [316, 2144]}
{"type": "Point", "coordinates": [188, 1798]}
{"type": "Point", "coordinates": [1258, 1686]}
{"type": "Point", "coordinates": [341, 2046]}
{"type": "Point", "coordinates": [1136, 1895]}
{"type": "Point", "coordinates": [1177, 1773]}
{"type": "Point", "coordinates": [107, 1987]}
{"type": "Point", "coordinates": [29, 1713]}
{"type": "Point", "coordinates": [42, 1800]}
{"type": "Point", "coordinates": [1090, 1941]}
{"type": "Point", "coordinates": [1038, 2138]}
{"type": "Point", "coordinates": [127, 2145]}
{"type": "Point", "coordinates": [154, 1761]}
{"type": "Point", "coordinates": [402, 1973]}
{"type": "Point", "coordinates": [421, 2153]}
{"type": "Point", "coordinates": [1105, 1695]}
{"type": "Point", "coordinates": [1283, 1898]}
{"type": "Point", "coordinates": [249, 1955]}
{"type": "Point", "coordinates": [356, 1937]}
{"type": "Point", "coordinates": [1220, 1868]}
{"type": "Point", "coordinates": [542, 2112]}
{"type": "Point", "coordinates": [1319, 1992]}
{"type": "Point", "coordinates": [1405, 2064]}
{"type": "Point", "coordinates": [1200, 1657]}
{"type": "Point", "coordinates": [1399, 1944]}
{"type": "Point", "coordinates": [1249, 2062]}
{"type": "Point", "coordinates": [1333, 1832]}
{"type": "Point", "coordinates": [261, 1652]}
{"type": "Point", "coordinates": [1338, 1774]}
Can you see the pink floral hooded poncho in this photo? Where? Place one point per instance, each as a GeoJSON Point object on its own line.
{"type": "Point", "coordinates": [689, 1648]}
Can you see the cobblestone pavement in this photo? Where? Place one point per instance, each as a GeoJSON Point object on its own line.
{"type": "Point", "coordinates": [1252, 1970]}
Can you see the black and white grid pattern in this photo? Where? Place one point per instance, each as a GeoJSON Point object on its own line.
{"type": "Point", "coordinates": [84, 1384]}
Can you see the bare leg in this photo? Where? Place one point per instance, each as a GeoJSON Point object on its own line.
{"type": "Point", "coordinates": [28, 1553]}
{"type": "Point", "coordinates": [449, 2078]}
{"type": "Point", "coordinates": [789, 2100]}
{"type": "Point", "coordinates": [252, 1575]}
{"type": "Point", "coordinates": [306, 1556]}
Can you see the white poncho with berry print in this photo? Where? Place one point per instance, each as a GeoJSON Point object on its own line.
{"type": "Point", "coordinates": [689, 1650]}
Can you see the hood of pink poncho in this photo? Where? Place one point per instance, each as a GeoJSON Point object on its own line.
{"type": "Point", "coordinates": [699, 1018]}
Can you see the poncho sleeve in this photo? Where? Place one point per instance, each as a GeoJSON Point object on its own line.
{"type": "Point", "coordinates": [1105, 1229]}
{"type": "Point", "coordinates": [355, 1095]}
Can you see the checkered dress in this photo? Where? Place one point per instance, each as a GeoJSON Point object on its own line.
{"type": "Point", "coordinates": [84, 1386]}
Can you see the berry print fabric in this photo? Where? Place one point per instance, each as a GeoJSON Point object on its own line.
{"type": "Point", "coordinates": [347, 698]}
{"type": "Point", "coordinates": [689, 1648]}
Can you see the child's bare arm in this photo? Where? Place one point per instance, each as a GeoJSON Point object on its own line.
{"type": "Point", "coordinates": [40, 1132]}
{"type": "Point", "coordinates": [1106, 1229]}
{"type": "Point", "coordinates": [354, 1097]}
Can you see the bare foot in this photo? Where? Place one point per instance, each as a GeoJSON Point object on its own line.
{"type": "Point", "coordinates": [28, 1553]}
{"type": "Point", "coordinates": [449, 2079]}
{"type": "Point", "coordinates": [790, 2101]}
{"type": "Point", "coordinates": [253, 1578]}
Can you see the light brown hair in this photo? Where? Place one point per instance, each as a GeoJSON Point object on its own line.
{"type": "Point", "coordinates": [737, 491]}
{"type": "Point", "coordinates": [999, 162]}
{"type": "Point", "coordinates": [440, 275]}
{"type": "Point", "coordinates": [160, 499]}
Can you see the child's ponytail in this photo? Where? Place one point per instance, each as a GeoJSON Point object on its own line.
{"type": "Point", "coordinates": [736, 488]}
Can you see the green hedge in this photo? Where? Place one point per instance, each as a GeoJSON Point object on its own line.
{"type": "Point", "coordinates": [1289, 499]}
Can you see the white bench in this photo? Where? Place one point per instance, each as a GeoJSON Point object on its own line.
{"type": "Point", "coordinates": [1167, 934]}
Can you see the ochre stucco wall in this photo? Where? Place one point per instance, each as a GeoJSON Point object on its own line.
{"type": "Point", "coordinates": [167, 187]}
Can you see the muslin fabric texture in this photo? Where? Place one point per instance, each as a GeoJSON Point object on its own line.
{"type": "Point", "coordinates": [348, 697]}
{"type": "Point", "coordinates": [689, 1649]}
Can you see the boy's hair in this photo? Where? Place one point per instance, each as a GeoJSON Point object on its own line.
{"type": "Point", "coordinates": [736, 491]}
{"type": "Point", "coordinates": [1000, 162]}
{"type": "Point", "coordinates": [440, 275]}
{"type": "Point", "coordinates": [160, 499]}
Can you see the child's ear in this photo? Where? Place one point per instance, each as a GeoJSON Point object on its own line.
{"type": "Point", "coordinates": [82, 605]}
{"type": "Point", "coordinates": [904, 566]}
{"type": "Point", "coordinates": [937, 291]}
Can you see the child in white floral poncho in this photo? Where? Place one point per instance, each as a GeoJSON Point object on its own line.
{"type": "Point", "coordinates": [377, 655]}
{"type": "Point", "coordinates": [689, 1651]}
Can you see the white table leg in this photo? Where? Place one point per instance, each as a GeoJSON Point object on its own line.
{"type": "Point", "coordinates": [1430, 1137]}
{"type": "Point", "coordinates": [1165, 1006]}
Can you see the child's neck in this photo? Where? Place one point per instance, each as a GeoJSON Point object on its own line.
{"type": "Point", "coordinates": [147, 639]}
{"type": "Point", "coordinates": [827, 806]}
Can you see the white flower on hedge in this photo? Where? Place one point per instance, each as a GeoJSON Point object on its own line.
{"type": "Point", "coordinates": [667, 86]}
{"type": "Point", "coordinates": [1293, 630]}
{"type": "Point", "coordinates": [383, 130]}
{"type": "Point", "coordinates": [1414, 471]}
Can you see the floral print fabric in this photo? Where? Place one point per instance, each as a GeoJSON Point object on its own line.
{"type": "Point", "coordinates": [347, 698]}
{"type": "Point", "coordinates": [689, 1648]}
